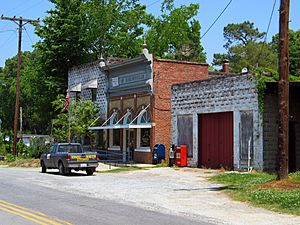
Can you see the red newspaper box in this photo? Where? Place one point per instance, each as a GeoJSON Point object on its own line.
{"type": "Point", "coordinates": [181, 156]}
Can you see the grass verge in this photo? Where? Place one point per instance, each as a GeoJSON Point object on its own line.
{"type": "Point", "coordinates": [263, 190]}
{"type": "Point", "coordinates": [21, 163]}
{"type": "Point", "coordinates": [122, 169]}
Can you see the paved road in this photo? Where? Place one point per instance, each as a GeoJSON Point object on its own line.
{"type": "Point", "coordinates": [24, 201]}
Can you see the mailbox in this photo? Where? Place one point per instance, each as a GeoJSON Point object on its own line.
{"type": "Point", "coordinates": [181, 156]}
{"type": "Point", "coordinates": [158, 153]}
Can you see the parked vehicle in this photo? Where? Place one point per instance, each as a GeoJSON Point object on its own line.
{"type": "Point", "coordinates": [68, 156]}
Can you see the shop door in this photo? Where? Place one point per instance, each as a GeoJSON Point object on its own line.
{"type": "Point", "coordinates": [129, 143]}
{"type": "Point", "coordinates": [216, 140]}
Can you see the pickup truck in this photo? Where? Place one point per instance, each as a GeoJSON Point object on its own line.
{"type": "Point", "coordinates": [68, 156]}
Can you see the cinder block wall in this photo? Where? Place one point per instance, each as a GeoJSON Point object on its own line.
{"type": "Point", "coordinates": [271, 124]}
{"type": "Point", "coordinates": [167, 73]}
{"type": "Point", "coordinates": [270, 131]}
{"type": "Point", "coordinates": [228, 93]}
{"type": "Point", "coordinates": [85, 73]}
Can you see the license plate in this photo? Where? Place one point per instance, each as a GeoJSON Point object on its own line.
{"type": "Point", "coordinates": [83, 165]}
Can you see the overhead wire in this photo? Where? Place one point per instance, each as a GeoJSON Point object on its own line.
{"type": "Point", "coordinates": [28, 36]}
{"type": "Point", "coordinates": [271, 16]}
{"type": "Point", "coordinates": [267, 31]}
{"type": "Point", "coordinates": [4, 43]}
{"type": "Point", "coordinates": [153, 3]}
{"type": "Point", "coordinates": [216, 19]}
{"type": "Point", "coordinates": [4, 31]}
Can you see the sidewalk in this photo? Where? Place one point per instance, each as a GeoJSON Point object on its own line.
{"type": "Point", "coordinates": [111, 166]}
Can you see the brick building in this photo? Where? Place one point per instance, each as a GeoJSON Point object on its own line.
{"type": "Point", "coordinates": [219, 121]}
{"type": "Point", "coordinates": [135, 94]}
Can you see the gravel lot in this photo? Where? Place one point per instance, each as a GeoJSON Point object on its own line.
{"type": "Point", "coordinates": [184, 192]}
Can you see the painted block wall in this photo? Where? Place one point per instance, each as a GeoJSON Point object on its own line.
{"type": "Point", "coordinates": [229, 93]}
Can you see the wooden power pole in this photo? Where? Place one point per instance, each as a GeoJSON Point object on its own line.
{"type": "Point", "coordinates": [19, 21]}
{"type": "Point", "coordinates": [283, 91]}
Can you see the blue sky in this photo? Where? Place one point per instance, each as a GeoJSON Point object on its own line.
{"type": "Point", "coordinates": [257, 11]}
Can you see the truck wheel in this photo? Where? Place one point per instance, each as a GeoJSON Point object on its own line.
{"type": "Point", "coordinates": [89, 172]}
{"type": "Point", "coordinates": [61, 168]}
{"type": "Point", "coordinates": [44, 168]}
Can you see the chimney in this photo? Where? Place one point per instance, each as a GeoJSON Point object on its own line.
{"type": "Point", "coordinates": [225, 66]}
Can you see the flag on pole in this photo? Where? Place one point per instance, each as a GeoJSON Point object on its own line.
{"type": "Point", "coordinates": [67, 102]}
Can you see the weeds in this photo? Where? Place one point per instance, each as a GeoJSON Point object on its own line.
{"type": "Point", "coordinates": [261, 189]}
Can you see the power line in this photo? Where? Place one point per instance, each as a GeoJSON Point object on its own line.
{"type": "Point", "coordinates": [4, 43]}
{"type": "Point", "coordinates": [28, 36]}
{"type": "Point", "coordinates": [217, 19]}
{"type": "Point", "coordinates": [271, 16]}
{"type": "Point", "coordinates": [18, 9]}
{"type": "Point", "coordinates": [153, 3]}
{"type": "Point", "coordinates": [265, 38]}
{"type": "Point", "coordinates": [4, 31]}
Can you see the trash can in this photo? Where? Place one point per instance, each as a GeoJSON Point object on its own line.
{"type": "Point", "coordinates": [159, 152]}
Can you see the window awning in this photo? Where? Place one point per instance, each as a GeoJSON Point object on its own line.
{"type": "Point", "coordinates": [76, 88]}
{"type": "Point", "coordinates": [116, 126]}
{"type": "Point", "coordinates": [120, 126]}
{"type": "Point", "coordinates": [92, 84]}
{"type": "Point", "coordinates": [142, 125]}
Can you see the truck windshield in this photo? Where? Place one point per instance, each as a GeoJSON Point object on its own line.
{"type": "Point", "coordinates": [70, 148]}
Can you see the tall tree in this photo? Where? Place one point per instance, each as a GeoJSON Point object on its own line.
{"type": "Point", "coordinates": [244, 48]}
{"type": "Point", "coordinates": [294, 51]}
{"type": "Point", "coordinates": [34, 94]}
{"type": "Point", "coordinates": [61, 45]}
{"type": "Point", "coordinates": [176, 33]}
{"type": "Point", "coordinates": [114, 27]}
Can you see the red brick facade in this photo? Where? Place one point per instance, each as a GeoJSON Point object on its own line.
{"type": "Point", "coordinates": [166, 73]}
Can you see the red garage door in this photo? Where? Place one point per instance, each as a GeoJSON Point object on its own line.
{"type": "Point", "coordinates": [216, 140]}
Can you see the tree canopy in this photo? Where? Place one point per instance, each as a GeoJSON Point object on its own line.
{"type": "Point", "coordinates": [176, 33]}
{"type": "Point", "coordinates": [294, 51]}
{"type": "Point", "coordinates": [245, 48]}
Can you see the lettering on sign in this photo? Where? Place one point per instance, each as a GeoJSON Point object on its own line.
{"type": "Point", "coordinates": [115, 81]}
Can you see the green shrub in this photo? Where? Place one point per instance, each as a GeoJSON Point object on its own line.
{"type": "Point", "coordinates": [10, 157]}
{"type": "Point", "coordinates": [37, 150]}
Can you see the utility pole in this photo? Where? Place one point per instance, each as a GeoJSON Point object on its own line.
{"type": "Point", "coordinates": [283, 91]}
{"type": "Point", "coordinates": [19, 21]}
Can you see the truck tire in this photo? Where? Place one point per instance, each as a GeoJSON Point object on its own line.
{"type": "Point", "coordinates": [61, 168]}
{"type": "Point", "coordinates": [44, 168]}
{"type": "Point", "coordinates": [90, 171]}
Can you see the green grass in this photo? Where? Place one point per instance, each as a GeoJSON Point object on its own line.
{"type": "Point", "coordinates": [256, 189]}
{"type": "Point", "coordinates": [123, 169]}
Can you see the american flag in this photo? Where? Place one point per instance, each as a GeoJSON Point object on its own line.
{"type": "Point", "coordinates": [67, 102]}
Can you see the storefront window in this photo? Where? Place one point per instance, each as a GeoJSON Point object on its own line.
{"type": "Point", "coordinates": [94, 94]}
{"type": "Point", "coordinates": [145, 137]}
{"type": "Point", "coordinates": [116, 137]}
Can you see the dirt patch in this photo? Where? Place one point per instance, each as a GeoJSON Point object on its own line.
{"type": "Point", "coordinates": [281, 184]}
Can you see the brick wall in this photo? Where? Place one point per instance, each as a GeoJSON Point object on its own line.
{"type": "Point", "coordinates": [167, 73]}
{"type": "Point", "coordinates": [229, 93]}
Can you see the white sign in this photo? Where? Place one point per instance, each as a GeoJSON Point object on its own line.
{"type": "Point", "coordinates": [115, 81]}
